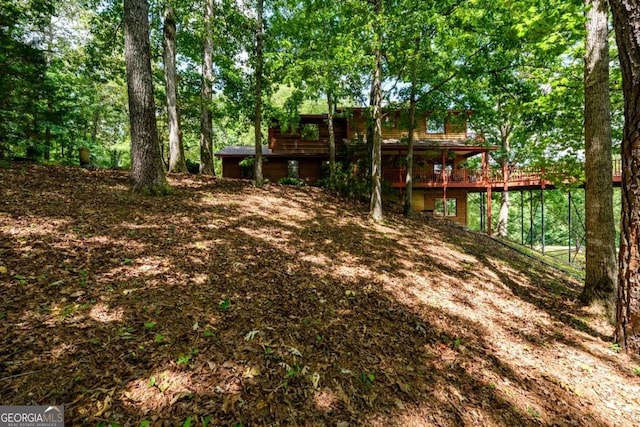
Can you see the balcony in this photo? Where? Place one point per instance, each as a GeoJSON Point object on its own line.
{"type": "Point", "coordinates": [517, 177]}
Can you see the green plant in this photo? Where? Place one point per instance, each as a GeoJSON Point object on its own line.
{"type": "Point", "coordinates": [615, 347]}
{"type": "Point", "coordinates": [83, 277]}
{"type": "Point", "coordinates": [636, 370]}
{"type": "Point", "coordinates": [292, 181]}
{"type": "Point", "coordinates": [367, 378]}
{"type": "Point", "coordinates": [21, 279]}
{"type": "Point", "coordinates": [186, 358]}
{"type": "Point", "coordinates": [224, 304]}
{"type": "Point", "coordinates": [149, 325]}
{"type": "Point", "coordinates": [247, 162]}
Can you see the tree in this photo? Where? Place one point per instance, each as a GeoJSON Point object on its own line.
{"type": "Point", "coordinates": [257, 166]}
{"type": "Point", "coordinates": [147, 170]}
{"type": "Point", "coordinates": [626, 21]}
{"type": "Point", "coordinates": [408, 196]}
{"type": "Point", "coordinates": [375, 208]}
{"type": "Point", "coordinates": [206, 117]}
{"type": "Point", "coordinates": [601, 252]}
{"type": "Point", "coordinates": [176, 148]}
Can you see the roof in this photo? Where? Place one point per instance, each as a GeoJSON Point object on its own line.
{"type": "Point", "coordinates": [242, 150]}
{"type": "Point", "coordinates": [249, 151]}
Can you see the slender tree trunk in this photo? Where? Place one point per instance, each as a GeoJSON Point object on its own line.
{"type": "Point", "coordinates": [408, 195]}
{"type": "Point", "coordinates": [600, 275]}
{"type": "Point", "coordinates": [147, 171]}
{"type": "Point", "coordinates": [626, 20]}
{"type": "Point", "coordinates": [206, 117]}
{"type": "Point", "coordinates": [503, 215]}
{"type": "Point", "coordinates": [176, 148]}
{"type": "Point", "coordinates": [332, 139]}
{"type": "Point", "coordinates": [257, 171]}
{"type": "Point", "coordinates": [375, 209]}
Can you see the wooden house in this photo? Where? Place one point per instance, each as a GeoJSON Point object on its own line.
{"type": "Point", "coordinates": [300, 152]}
{"type": "Point", "coordinates": [442, 147]}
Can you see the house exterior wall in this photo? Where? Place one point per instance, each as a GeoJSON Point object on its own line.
{"type": "Point", "coordinates": [276, 168]}
{"type": "Point", "coordinates": [394, 126]}
{"type": "Point", "coordinates": [230, 167]}
{"type": "Point", "coordinates": [425, 200]}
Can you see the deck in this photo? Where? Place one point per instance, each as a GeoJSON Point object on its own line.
{"type": "Point", "coordinates": [478, 180]}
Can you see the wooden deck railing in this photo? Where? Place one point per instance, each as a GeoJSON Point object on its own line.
{"type": "Point", "coordinates": [518, 176]}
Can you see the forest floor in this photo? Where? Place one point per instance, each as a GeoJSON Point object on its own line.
{"type": "Point", "coordinates": [223, 304]}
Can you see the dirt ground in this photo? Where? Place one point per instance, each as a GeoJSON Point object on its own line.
{"type": "Point", "coordinates": [227, 305]}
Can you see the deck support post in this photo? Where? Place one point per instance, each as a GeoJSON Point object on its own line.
{"type": "Point", "coordinates": [569, 227]}
{"type": "Point", "coordinates": [521, 217]}
{"type": "Point", "coordinates": [531, 218]}
{"type": "Point", "coordinates": [489, 210]}
{"type": "Point", "coordinates": [542, 218]}
{"type": "Point", "coordinates": [481, 211]}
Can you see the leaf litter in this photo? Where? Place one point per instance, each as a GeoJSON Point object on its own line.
{"type": "Point", "coordinates": [223, 304]}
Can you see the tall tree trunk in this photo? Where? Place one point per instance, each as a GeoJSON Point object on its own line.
{"type": "Point", "coordinates": [600, 277]}
{"type": "Point", "coordinates": [147, 171]}
{"type": "Point", "coordinates": [375, 209]}
{"type": "Point", "coordinates": [257, 166]}
{"type": "Point", "coordinates": [626, 20]}
{"type": "Point", "coordinates": [206, 119]}
{"type": "Point", "coordinates": [176, 148]}
{"type": "Point", "coordinates": [408, 195]}
{"type": "Point", "coordinates": [503, 215]}
{"type": "Point", "coordinates": [332, 139]}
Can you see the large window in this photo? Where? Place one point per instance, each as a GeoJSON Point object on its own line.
{"type": "Point", "coordinates": [448, 209]}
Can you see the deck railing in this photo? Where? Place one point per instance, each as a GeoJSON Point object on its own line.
{"type": "Point", "coordinates": [474, 177]}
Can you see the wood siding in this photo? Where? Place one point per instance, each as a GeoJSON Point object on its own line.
{"type": "Point", "coordinates": [294, 142]}
{"type": "Point", "coordinates": [394, 126]}
{"type": "Point", "coordinates": [276, 168]}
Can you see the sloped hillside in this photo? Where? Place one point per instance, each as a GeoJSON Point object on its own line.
{"type": "Point", "coordinates": [223, 304]}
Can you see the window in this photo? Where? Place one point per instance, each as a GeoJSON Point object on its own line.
{"type": "Point", "coordinates": [310, 131]}
{"type": "Point", "coordinates": [451, 207]}
{"type": "Point", "coordinates": [292, 169]}
{"type": "Point", "coordinates": [435, 125]}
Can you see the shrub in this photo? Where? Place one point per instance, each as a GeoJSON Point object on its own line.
{"type": "Point", "coordinates": [292, 181]}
